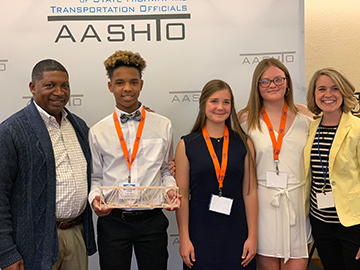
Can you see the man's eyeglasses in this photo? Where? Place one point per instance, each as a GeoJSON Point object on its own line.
{"type": "Point", "coordinates": [278, 81]}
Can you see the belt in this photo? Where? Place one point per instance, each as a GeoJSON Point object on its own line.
{"type": "Point", "coordinates": [67, 225]}
{"type": "Point", "coordinates": [134, 216]}
{"type": "Point", "coordinates": [289, 215]}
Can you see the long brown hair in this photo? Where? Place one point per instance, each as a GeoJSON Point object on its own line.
{"type": "Point", "coordinates": [231, 122]}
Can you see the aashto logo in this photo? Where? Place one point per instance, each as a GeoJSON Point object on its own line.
{"type": "Point", "coordinates": [185, 96]}
{"type": "Point", "coordinates": [3, 64]}
{"type": "Point", "coordinates": [255, 58]}
{"type": "Point", "coordinates": [174, 239]}
{"type": "Point", "coordinates": [74, 100]}
{"type": "Point", "coordinates": [165, 23]}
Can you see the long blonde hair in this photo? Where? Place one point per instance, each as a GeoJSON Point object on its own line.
{"type": "Point", "coordinates": [255, 102]}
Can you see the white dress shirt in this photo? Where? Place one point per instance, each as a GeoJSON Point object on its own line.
{"type": "Point", "coordinates": [71, 166]}
{"type": "Point", "coordinates": [150, 167]}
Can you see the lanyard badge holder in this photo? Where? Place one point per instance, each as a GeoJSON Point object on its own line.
{"type": "Point", "coordinates": [131, 195]}
{"type": "Point", "coordinates": [218, 203]}
{"type": "Point", "coordinates": [324, 199]}
{"type": "Point", "coordinates": [276, 179]}
{"type": "Point", "coordinates": [276, 161]}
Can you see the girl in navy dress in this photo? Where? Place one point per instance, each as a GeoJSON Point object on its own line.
{"type": "Point", "coordinates": [215, 172]}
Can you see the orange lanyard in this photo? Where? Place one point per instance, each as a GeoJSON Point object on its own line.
{"type": "Point", "coordinates": [136, 142]}
{"type": "Point", "coordinates": [276, 144]}
{"type": "Point", "coordinates": [220, 172]}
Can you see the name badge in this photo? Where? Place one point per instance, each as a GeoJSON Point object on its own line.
{"type": "Point", "coordinates": [276, 180]}
{"type": "Point", "coordinates": [220, 205]}
{"type": "Point", "coordinates": [325, 200]}
{"type": "Point", "coordinates": [130, 195]}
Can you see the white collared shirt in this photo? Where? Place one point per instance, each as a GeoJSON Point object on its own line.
{"type": "Point", "coordinates": [150, 167]}
{"type": "Point", "coordinates": [71, 167]}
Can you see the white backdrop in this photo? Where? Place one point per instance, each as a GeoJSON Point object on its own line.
{"type": "Point", "coordinates": [185, 43]}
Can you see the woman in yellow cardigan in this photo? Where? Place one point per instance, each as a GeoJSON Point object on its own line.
{"type": "Point", "coordinates": [332, 167]}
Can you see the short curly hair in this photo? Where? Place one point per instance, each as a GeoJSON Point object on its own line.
{"type": "Point", "coordinates": [124, 58]}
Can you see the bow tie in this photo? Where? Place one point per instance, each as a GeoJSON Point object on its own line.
{"type": "Point", "coordinates": [126, 117]}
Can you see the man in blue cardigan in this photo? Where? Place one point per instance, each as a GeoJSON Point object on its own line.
{"type": "Point", "coordinates": [44, 180]}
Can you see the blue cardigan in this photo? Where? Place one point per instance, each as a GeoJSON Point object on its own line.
{"type": "Point", "coordinates": [27, 191]}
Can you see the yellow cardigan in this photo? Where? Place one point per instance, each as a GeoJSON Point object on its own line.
{"type": "Point", "coordinates": [344, 168]}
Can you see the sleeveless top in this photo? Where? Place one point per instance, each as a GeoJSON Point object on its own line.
{"type": "Point", "coordinates": [284, 230]}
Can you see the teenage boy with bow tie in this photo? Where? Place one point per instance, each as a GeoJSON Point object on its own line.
{"type": "Point", "coordinates": [132, 146]}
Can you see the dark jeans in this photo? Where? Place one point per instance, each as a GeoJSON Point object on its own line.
{"type": "Point", "coordinates": [118, 234]}
{"type": "Point", "coordinates": [337, 245]}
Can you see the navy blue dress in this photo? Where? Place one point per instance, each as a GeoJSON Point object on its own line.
{"type": "Point", "coordinates": [218, 239]}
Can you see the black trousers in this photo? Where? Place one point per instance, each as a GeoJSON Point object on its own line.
{"type": "Point", "coordinates": [337, 245]}
{"type": "Point", "coordinates": [145, 231]}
